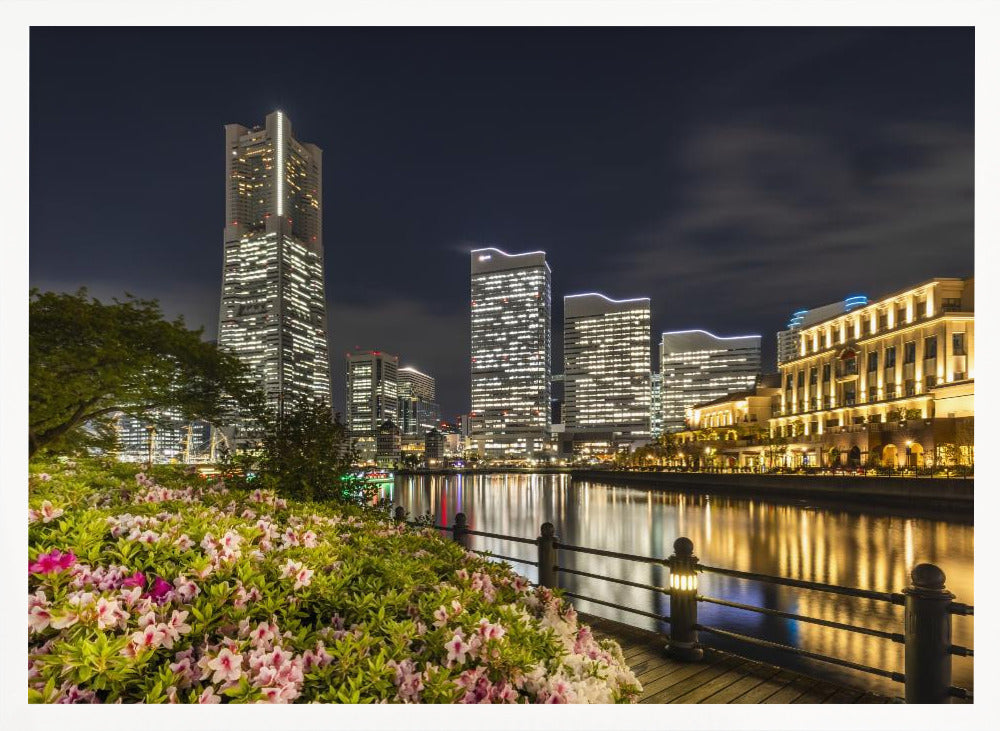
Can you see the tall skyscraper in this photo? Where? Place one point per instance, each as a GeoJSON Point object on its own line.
{"type": "Point", "coordinates": [273, 312]}
{"type": "Point", "coordinates": [788, 339]}
{"type": "Point", "coordinates": [511, 352]}
{"type": "Point", "coordinates": [656, 405]}
{"type": "Point", "coordinates": [372, 397]}
{"type": "Point", "coordinates": [606, 347]}
{"type": "Point", "coordinates": [697, 366]}
{"type": "Point", "coordinates": [418, 410]}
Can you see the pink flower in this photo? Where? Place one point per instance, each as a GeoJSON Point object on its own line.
{"type": "Point", "coordinates": [136, 579]}
{"type": "Point", "coordinates": [456, 648]}
{"type": "Point", "coordinates": [38, 619]}
{"type": "Point", "coordinates": [150, 636]}
{"type": "Point", "coordinates": [108, 613]}
{"type": "Point", "coordinates": [208, 696]}
{"type": "Point", "coordinates": [161, 588]}
{"type": "Point", "coordinates": [185, 589]}
{"type": "Point", "coordinates": [44, 477]}
{"type": "Point", "coordinates": [227, 666]}
{"type": "Point", "coordinates": [303, 577]}
{"type": "Point", "coordinates": [52, 562]}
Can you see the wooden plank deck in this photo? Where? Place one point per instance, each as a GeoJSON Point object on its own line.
{"type": "Point", "coordinates": [720, 678]}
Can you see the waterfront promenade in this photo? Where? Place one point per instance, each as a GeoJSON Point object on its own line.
{"type": "Point", "coordinates": [720, 677]}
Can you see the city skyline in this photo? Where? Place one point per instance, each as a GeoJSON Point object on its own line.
{"type": "Point", "coordinates": [879, 193]}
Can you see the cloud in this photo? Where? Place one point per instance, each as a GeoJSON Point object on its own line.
{"type": "Point", "coordinates": [811, 212]}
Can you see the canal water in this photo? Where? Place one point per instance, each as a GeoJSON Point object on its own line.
{"type": "Point", "coordinates": [848, 546]}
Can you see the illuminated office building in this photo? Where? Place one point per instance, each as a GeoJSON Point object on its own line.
{"type": "Point", "coordinates": [656, 405]}
{"type": "Point", "coordinates": [788, 339]}
{"type": "Point", "coordinates": [511, 353]}
{"type": "Point", "coordinates": [418, 410]}
{"type": "Point", "coordinates": [697, 367]}
{"type": "Point", "coordinates": [273, 311]}
{"type": "Point", "coordinates": [372, 397]}
{"type": "Point", "coordinates": [606, 348]}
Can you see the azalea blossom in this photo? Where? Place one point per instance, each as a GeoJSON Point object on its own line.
{"type": "Point", "coordinates": [208, 696]}
{"type": "Point", "coordinates": [51, 562]}
{"type": "Point", "coordinates": [227, 666]}
{"type": "Point", "coordinates": [456, 647]}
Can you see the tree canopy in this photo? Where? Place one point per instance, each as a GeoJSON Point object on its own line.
{"type": "Point", "coordinates": [89, 360]}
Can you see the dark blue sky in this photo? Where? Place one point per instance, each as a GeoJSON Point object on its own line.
{"type": "Point", "coordinates": [732, 175]}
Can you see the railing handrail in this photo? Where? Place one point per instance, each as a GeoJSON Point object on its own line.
{"type": "Point", "coordinates": [889, 597]}
{"type": "Point", "coordinates": [688, 563]}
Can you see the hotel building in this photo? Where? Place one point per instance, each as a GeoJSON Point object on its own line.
{"type": "Point", "coordinates": [511, 308]}
{"type": "Point", "coordinates": [273, 310]}
{"type": "Point", "coordinates": [697, 367]}
{"type": "Point", "coordinates": [885, 384]}
{"type": "Point", "coordinates": [372, 397]}
{"type": "Point", "coordinates": [606, 350]}
{"type": "Point", "coordinates": [788, 339]}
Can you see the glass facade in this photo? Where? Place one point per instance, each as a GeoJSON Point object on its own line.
{"type": "Point", "coordinates": [511, 352]}
{"type": "Point", "coordinates": [418, 410]}
{"type": "Point", "coordinates": [372, 396]}
{"type": "Point", "coordinates": [273, 310]}
{"type": "Point", "coordinates": [606, 347]}
{"type": "Point", "coordinates": [698, 367]}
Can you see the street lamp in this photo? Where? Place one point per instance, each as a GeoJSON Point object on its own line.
{"type": "Point", "coordinates": [683, 643]}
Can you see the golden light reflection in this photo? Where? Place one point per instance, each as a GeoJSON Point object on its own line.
{"type": "Point", "coordinates": [828, 545]}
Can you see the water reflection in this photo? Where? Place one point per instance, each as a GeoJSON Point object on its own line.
{"type": "Point", "coordinates": [818, 544]}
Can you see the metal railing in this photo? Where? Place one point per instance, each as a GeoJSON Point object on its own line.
{"type": "Point", "coordinates": [926, 634]}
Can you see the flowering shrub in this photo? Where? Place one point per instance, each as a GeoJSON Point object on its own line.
{"type": "Point", "coordinates": [166, 588]}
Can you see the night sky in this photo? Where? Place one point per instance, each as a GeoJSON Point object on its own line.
{"type": "Point", "coordinates": [732, 175]}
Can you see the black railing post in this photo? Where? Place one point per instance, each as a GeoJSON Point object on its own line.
{"type": "Point", "coordinates": [683, 643]}
{"type": "Point", "coordinates": [928, 636]}
{"type": "Point", "coordinates": [400, 514]}
{"type": "Point", "coordinates": [548, 556]}
{"type": "Point", "coordinates": [459, 531]}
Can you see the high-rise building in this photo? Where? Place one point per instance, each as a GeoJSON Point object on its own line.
{"type": "Point", "coordinates": [656, 405]}
{"type": "Point", "coordinates": [788, 339]}
{"type": "Point", "coordinates": [511, 352]}
{"type": "Point", "coordinates": [273, 311]}
{"type": "Point", "coordinates": [418, 410]}
{"type": "Point", "coordinates": [697, 367]}
{"type": "Point", "coordinates": [606, 348]}
{"type": "Point", "coordinates": [372, 396]}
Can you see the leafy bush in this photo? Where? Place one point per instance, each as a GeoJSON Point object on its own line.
{"type": "Point", "coordinates": [165, 588]}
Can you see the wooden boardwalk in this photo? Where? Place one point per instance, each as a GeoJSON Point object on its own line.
{"type": "Point", "coordinates": [720, 677]}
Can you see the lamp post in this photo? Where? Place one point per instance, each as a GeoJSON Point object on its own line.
{"type": "Point", "coordinates": [909, 451]}
{"type": "Point", "coordinates": [683, 643]}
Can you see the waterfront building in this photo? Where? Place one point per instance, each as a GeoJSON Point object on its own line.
{"type": "Point", "coordinates": [788, 339]}
{"type": "Point", "coordinates": [167, 437]}
{"type": "Point", "coordinates": [697, 366]}
{"type": "Point", "coordinates": [387, 444]}
{"type": "Point", "coordinates": [434, 444]}
{"type": "Point", "coordinates": [890, 383]}
{"type": "Point", "coordinates": [656, 405]}
{"type": "Point", "coordinates": [372, 397]}
{"type": "Point", "coordinates": [273, 310]}
{"type": "Point", "coordinates": [606, 349]}
{"type": "Point", "coordinates": [732, 430]}
{"type": "Point", "coordinates": [511, 353]}
{"type": "Point", "coordinates": [418, 410]}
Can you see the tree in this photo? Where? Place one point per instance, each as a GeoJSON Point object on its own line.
{"type": "Point", "coordinates": [89, 361]}
{"type": "Point", "coordinates": [306, 454]}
